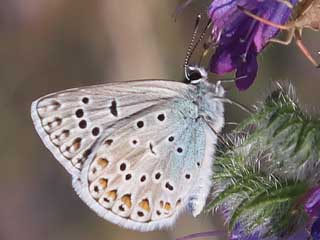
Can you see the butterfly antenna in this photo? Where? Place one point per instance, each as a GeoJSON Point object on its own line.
{"type": "Point", "coordinates": [191, 48]}
{"type": "Point", "coordinates": [203, 34]}
{"type": "Point", "coordinates": [263, 20]}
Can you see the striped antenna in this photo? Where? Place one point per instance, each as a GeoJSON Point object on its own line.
{"type": "Point", "coordinates": [191, 45]}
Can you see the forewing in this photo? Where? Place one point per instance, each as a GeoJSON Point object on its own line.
{"type": "Point", "coordinates": [70, 122]}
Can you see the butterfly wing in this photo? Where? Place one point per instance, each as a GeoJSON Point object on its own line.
{"type": "Point", "coordinates": [150, 159]}
{"type": "Point", "coordinates": [69, 122]}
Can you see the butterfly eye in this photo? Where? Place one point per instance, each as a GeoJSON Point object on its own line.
{"type": "Point", "coordinates": [194, 75]}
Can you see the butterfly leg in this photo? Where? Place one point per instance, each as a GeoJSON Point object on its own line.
{"type": "Point", "coordinates": [287, 3]}
{"type": "Point", "coordinates": [304, 50]}
{"type": "Point", "coordinates": [265, 21]}
{"type": "Point", "coordinates": [286, 41]}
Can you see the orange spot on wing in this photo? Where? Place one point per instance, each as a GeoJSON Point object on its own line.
{"type": "Point", "coordinates": [103, 183]}
{"type": "Point", "coordinates": [144, 204]}
{"type": "Point", "coordinates": [167, 206]}
{"type": "Point", "coordinates": [126, 199]}
{"type": "Point", "coordinates": [102, 162]}
{"type": "Point", "coordinates": [112, 195]}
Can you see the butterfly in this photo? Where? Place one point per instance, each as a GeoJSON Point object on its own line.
{"type": "Point", "coordinates": [139, 152]}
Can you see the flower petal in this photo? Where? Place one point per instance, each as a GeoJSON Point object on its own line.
{"type": "Point", "coordinates": [222, 63]}
{"type": "Point", "coordinates": [315, 230]}
{"type": "Point", "coordinates": [241, 37]}
{"type": "Point", "coordinates": [277, 13]}
{"type": "Point", "coordinates": [312, 205]}
{"type": "Point", "coordinates": [247, 72]}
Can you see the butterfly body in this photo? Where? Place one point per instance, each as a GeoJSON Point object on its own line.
{"type": "Point", "coordinates": [139, 152]}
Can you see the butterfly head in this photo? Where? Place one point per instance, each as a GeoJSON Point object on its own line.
{"type": "Point", "coordinates": [194, 74]}
{"type": "Point", "coordinates": [209, 96]}
{"type": "Point", "coordinates": [198, 76]}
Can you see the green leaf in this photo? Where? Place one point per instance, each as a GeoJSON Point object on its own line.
{"type": "Point", "coordinates": [268, 198]}
{"type": "Point", "coordinates": [230, 190]}
{"type": "Point", "coordinates": [271, 162]}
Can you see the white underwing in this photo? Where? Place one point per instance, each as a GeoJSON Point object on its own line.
{"type": "Point", "coordinates": [139, 152]}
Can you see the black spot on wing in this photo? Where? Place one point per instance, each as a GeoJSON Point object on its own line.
{"type": "Point", "coordinates": [151, 149]}
{"type": "Point", "coordinates": [113, 108]}
{"type": "Point", "coordinates": [169, 186]}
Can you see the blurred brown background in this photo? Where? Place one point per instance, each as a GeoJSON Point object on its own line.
{"type": "Point", "coordinates": [50, 45]}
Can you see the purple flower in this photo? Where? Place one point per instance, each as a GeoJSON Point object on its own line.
{"type": "Point", "coordinates": [315, 230]}
{"type": "Point", "coordinates": [312, 204]}
{"type": "Point", "coordinates": [240, 37]}
{"type": "Point", "coordinates": [239, 234]}
{"type": "Point", "coordinates": [312, 208]}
